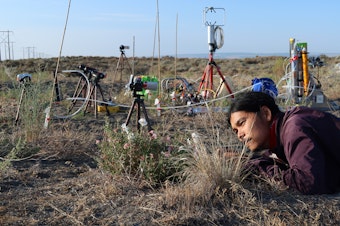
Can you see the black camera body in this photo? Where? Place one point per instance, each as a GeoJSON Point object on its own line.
{"type": "Point", "coordinates": [92, 72]}
{"type": "Point", "coordinates": [98, 75]}
{"type": "Point", "coordinates": [137, 87]}
{"type": "Point", "coordinates": [122, 47]}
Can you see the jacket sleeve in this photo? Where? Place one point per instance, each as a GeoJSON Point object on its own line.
{"type": "Point", "coordinates": [266, 165]}
{"type": "Point", "coordinates": [306, 171]}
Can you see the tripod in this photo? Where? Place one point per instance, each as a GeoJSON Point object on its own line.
{"type": "Point", "coordinates": [24, 83]}
{"type": "Point", "coordinates": [207, 78]}
{"type": "Point", "coordinates": [139, 103]}
{"type": "Point", "coordinates": [93, 95]}
{"type": "Point", "coordinates": [23, 91]}
{"type": "Point", "coordinates": [121, 63]}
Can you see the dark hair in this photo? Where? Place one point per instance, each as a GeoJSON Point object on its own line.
{"type": "Point", "coordinates": [252, 102]}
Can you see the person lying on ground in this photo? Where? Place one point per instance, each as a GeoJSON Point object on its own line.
{"type": "Point", "coordinates": [302, 144]}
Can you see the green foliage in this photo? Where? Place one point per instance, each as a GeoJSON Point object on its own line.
{"type": "Point", "coordinates": [31, 113]}
{"type": "Point", "coordinates": [13, 154]}
{"type": "Point", "coordinates": [21, 150]}
{"type": "Point", "coordinates": [139, 155]}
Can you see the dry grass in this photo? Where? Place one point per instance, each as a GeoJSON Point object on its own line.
{"type": "Point", "coordinates": [58, 179]}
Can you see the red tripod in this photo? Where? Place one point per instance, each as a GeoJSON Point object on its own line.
{"type": "Point", "coordinates": [207, 79]}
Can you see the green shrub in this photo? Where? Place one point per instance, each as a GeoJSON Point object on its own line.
{"type": "Point", "coordinates": [31, 114]}
{"type": "Point", "coordinates": [139, 155]}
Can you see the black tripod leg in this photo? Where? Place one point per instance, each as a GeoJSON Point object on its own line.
{"type": "Point", "coordinates": [130, 113]}
{"type": "Point", "coordinates": [146, 116]}
{"type": "Point", "coordinates": [88, 101]}
{"type": "Point", "coordinates": [140, 104]}
{"type": "Point", "coordinates": [103, 99]}
{"type": "Point", "coordinates": [138, 114]}
{"type": "Point", "coordinates": [95, 101]}
{"type": "Point", "coordinates": [56, 87]}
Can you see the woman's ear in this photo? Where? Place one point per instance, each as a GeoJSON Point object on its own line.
{"type": "Point", "coordinates": [266, 113]}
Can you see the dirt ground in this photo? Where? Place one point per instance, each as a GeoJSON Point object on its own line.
{"type": "Point", "coordinates": [64, 185]}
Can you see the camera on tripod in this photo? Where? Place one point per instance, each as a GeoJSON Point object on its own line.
{"type": "Point", "coordinates": [122, 47]}
{"type": "Point", "coordinates": [98, 75]}
{"type": "Point", "coordinates": [92, 72]}
{"type": "Point", "coordinates": [141, 83]}
{"type": "Point", "coordinates": [137, 87]}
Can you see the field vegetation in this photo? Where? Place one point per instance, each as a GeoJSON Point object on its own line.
{"type": "Point", "coordinates": [88, 170]}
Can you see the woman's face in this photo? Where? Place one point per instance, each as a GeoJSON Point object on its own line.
{"type": "Point", "coordinates": [252, 128]}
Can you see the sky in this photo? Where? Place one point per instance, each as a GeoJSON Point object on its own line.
{"type": "Point", "coordinates": [175, 27]}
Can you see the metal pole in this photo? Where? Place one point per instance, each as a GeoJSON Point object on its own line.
{"type": "Point", "coordinates": [9, 47]}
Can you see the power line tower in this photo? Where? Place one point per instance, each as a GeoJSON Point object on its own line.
{"type": "Point", "coordinates": [30, 50]}
{"type": "Point", "coordinates": [122, 62]}
{"type": "Point", "coordinates": [4, 39]}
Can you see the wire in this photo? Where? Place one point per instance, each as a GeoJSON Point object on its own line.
{"type": "Point", "coordinates": [290, 84]}
{"type": "Point", "coordinates": [85, 100]}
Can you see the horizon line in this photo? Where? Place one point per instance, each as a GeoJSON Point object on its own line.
{"type": "Point", "coordinates": [222, 55]}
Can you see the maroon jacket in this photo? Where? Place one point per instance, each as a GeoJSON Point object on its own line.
{"type": "Point", "coordinates": [308, 149]}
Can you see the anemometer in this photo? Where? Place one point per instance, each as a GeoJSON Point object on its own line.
{"type": "Point", "coordinates": [214, 19]}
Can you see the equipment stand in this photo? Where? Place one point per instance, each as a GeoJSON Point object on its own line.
{"type": "Point", "coordinates": [139, 102]}
{"type": "Point", "coordinates": [121, 65]}
{"type": "Point", "coordinates": [23, 91]}
{"type": "Point", "coordinates": [207, 78]}
{"type": "Point", "coordinates": [93, 96]}
{"type": "Point", "coordinates": [79, 94]}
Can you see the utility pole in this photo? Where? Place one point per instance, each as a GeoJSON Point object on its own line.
{"type": "Point", "coordinates": [12, 50]}
{"type": "Point", "coordinates": [29, 51]}
{"type": "Point", "coordinates": [5, 39]}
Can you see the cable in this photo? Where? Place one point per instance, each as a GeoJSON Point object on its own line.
{"type": "Point", "coordinates": [86, 99]}
{"type": "Point", "coordinates": [204, 102]}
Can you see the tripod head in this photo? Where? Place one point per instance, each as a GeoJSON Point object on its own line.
{"type": "Point", "coordinates": [137, 87]}
{"type": "Point", "coordinates": [92, 73]}
{"type": "Point", "coordinates": [142, 83]}
{"type": "Point", "coordinates": [122, 48]}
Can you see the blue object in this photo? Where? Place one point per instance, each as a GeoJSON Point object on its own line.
{"type": "Point", "coordinates": [265, 85]}
{"type": "Point", "coordinates": [24, 77]}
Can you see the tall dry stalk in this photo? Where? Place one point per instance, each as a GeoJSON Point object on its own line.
{"type": "Point", "coordinates": [211, 169]}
